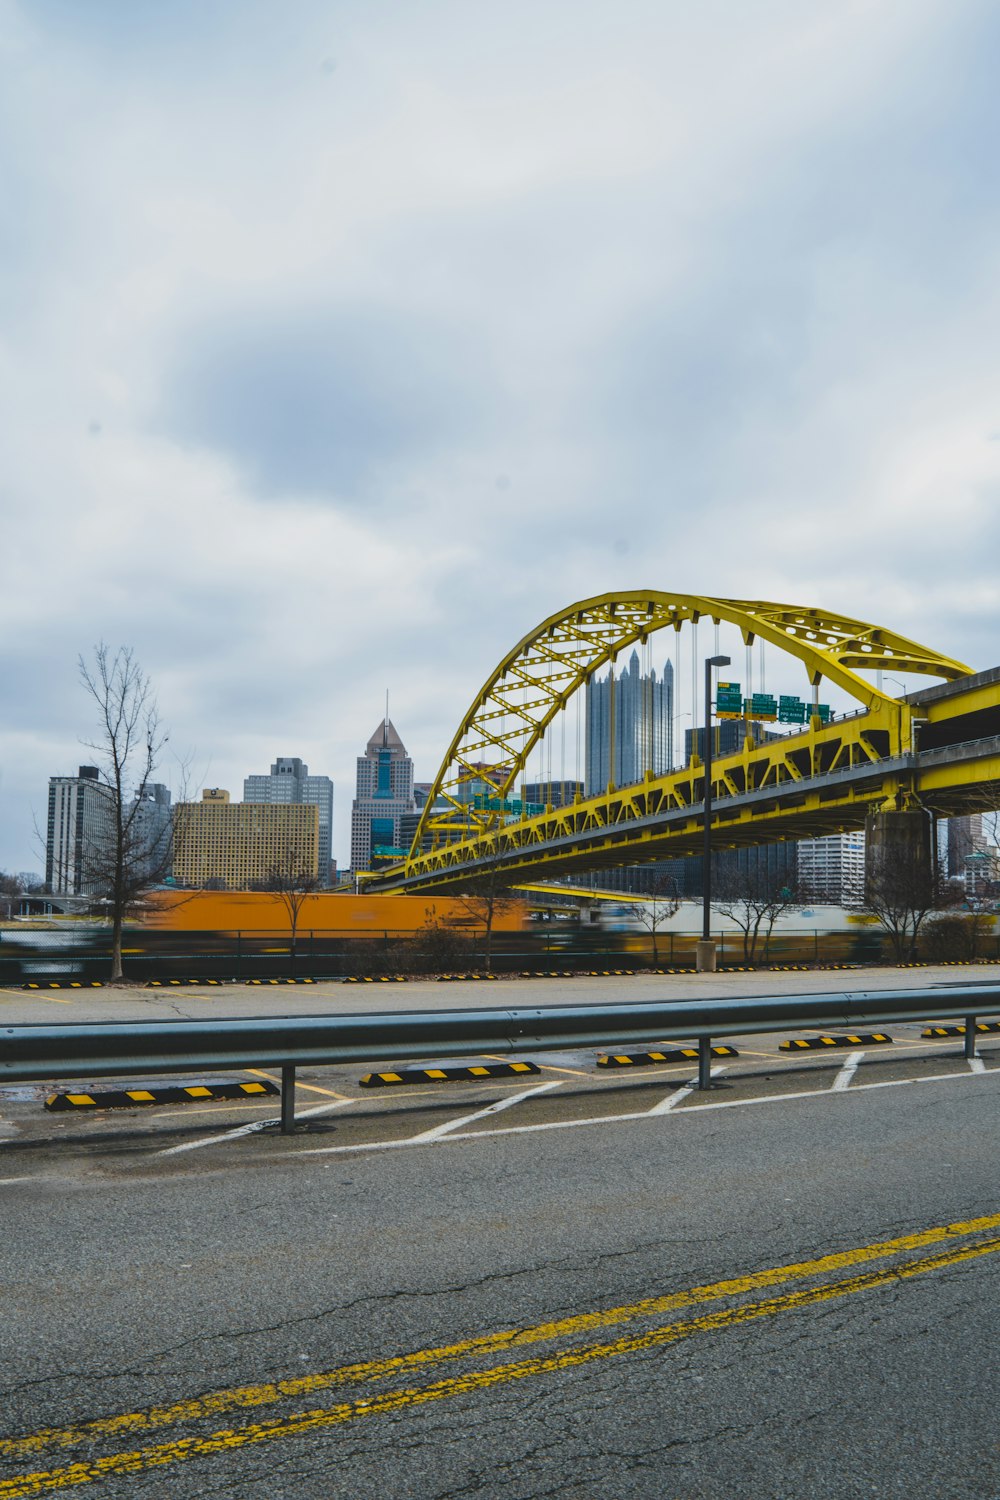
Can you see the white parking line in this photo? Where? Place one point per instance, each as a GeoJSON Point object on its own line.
{"type": "Point", "coordinates": [847, 1072]}
{"type": "Point", "coordinates": [672, 1100]}
{"type": "Point", "coordinates": [252, 1128]}
{"type": "Point", "coordinates": [481, 1135]}
{"type": "Point", "coordinates": [491, 1109]}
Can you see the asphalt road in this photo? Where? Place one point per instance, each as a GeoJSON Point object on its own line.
{"type": "Point", "coordinates": [606, 1287]}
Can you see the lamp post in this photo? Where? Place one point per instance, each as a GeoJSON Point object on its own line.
{"type": "Point", "coordinates": [705, 954]}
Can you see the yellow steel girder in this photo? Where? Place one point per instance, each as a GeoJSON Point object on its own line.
{"type": "Point", "coordinates": [661, 815]}
{"type": "Point", "coordinates": [540, 674]}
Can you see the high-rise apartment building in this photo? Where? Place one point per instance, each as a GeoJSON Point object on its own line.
{"type": "Point", "coordinates": [832, 869]}
{"type": "Point", "coordinates": [237, 846]}
{"type": "Point", "coordinates": [629, 725]}
{"type": "Point", "coordinates": [963, 837]}
{"type": "Point", "coordinates": [289, 781]}
{"type": "Point", "coordinates": [79, 833]}
{"type": "Point", "coordinates": [383, 796]}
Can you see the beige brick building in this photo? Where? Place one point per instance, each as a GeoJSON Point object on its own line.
{"type": "Point", "coordinates": [235, 846]}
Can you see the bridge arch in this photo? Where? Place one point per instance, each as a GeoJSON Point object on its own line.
{"type": "Point", "coordinates": [536, 679]}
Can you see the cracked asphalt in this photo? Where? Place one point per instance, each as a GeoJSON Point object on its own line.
{"type": "Point", "coordinates": [790, 1299]}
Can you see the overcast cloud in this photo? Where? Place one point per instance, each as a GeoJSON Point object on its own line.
{"type": "Point", "coordinates": [343, 343]}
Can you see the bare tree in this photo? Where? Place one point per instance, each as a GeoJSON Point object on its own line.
{"type": "Point", "coordinates": [12, 887]}
{"type": "Point", "coordinates": [290, 882]}
{"type": "Point", "coordinates": [654, 911]}
{"type": "Point", "coordinates": [123, 855]}
{"type": "Point", "coordinates": [486, 896]}
{"type": "Point", "coordinates": [901, 892]}
{"type": "Point", "coordinates": [755, 897]}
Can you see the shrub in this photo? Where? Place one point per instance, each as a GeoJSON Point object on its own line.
{"type": "Point", "coordinates": [953, 936]}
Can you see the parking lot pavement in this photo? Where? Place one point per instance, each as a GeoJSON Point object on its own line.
{"type": "Point", "coordinates": [334, 1112]}
{"type": "Point", "coordinates": [334, 997]}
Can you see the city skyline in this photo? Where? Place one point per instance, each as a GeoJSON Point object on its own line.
{"type": "Point", "coordinates": [344, 347]}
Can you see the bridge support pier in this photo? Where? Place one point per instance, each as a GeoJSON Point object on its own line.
{"type": "Point", "coordinates": [706, 956]}
{"type": "Point", "coordinates": [898, 846]}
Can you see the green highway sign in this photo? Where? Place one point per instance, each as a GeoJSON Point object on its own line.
{"type": "Point", "coordinates": [729, 700]}
{"type": "Point", "coordinates": [507, 804]}
{"type": "Point", "coordinates": [791, 711]}
{"type": "Point", "coordinates": [761, 706]}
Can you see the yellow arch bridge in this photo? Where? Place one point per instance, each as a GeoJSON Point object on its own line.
{"type": "Point", "coordinates": [936, 750]}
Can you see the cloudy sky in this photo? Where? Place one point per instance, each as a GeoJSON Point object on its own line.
{"type": "Point", "coordinates": [342, 343]}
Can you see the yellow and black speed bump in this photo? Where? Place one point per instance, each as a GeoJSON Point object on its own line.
{"type": "Point", "coordinates": [447, 1075]}
{"type": "Point", "coordinates": [64, 984]}
{"type": "Point", "coordinates": [960, 1030]}
{"type": "Point", "coordinates": [445, 978]}
{"type": "Point", "coordinates": [374, 979]}
{"type": "Point", "coordinates": [800, 1044]}
{"type": "Point", "coordinates": [673, 1054]}
{"type": "Point", "coordinates": [268, 981]}
{"type": "Point", "coordinates": [127, 1098]}
{"type": "Point", "coordinates": [808, 968]}
{"type": "Point", "coordinates": [162, 984]}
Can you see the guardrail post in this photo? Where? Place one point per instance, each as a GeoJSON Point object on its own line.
{"type": "Point", "coordinates": [970, 1037]}
{"type": "Point", "coordinates": [287, 1100]}
{"type": "Point", "coordinates": [704, 1062]}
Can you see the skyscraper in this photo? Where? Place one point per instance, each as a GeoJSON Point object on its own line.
{"type": "Point", "coordinates": [384, 794]}
{"type": "Point", "coordinates": [152, 826]}
{"type": "Point", "coordinates": [79, 833]}
{"type": "Point", "coordinates": [629, 722]}
{"type": "Point", "coordinates": [289, 781]}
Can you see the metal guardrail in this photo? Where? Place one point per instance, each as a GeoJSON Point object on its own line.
{"type": "Point", "coordinates": [106, 1050]}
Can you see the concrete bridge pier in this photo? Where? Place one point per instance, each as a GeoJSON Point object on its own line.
{"type": "Point", "coordinates": [900, 845]}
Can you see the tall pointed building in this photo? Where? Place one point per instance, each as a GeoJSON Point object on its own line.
{"type": "Point", "coordinates": [384, 794]}
{"type": "Point", "coordinates": [629, 725]}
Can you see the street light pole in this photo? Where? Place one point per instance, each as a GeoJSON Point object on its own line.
{"type": "Point", "coordinates": [705, 957]}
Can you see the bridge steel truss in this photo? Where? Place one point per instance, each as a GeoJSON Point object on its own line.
{"type": "Point", "coordinates": [823, 780]}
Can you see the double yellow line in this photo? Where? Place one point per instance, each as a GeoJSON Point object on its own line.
{"type": "Point", "coordinates": [962, 1241]}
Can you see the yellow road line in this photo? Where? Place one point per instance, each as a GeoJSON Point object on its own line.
{"type": "Point", "coordinates": [39, 995]}
{"type": "Point", "coordinates": [311, 1088]}
{"type": "Point", "coordinates": [551, 1068]}
{"type": "Point", "coordinates": [238, 1397]}
{"type": "Point", "coordinates": [222, 1106]}
{"type": "Point", "coordinates": [231, 1439]}
{"type": "Point", "coordinates": [542, 1067]}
